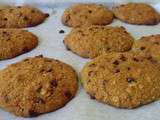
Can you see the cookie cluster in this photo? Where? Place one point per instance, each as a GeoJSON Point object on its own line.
{"type": "Point", "coordinates": [122, 72]}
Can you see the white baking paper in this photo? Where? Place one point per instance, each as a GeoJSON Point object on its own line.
{"type": "Point", "coordinates": [51, 45]}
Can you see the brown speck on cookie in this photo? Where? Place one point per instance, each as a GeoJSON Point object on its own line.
{"type": "Point", "coordinates": [46, 14]}
{"type": "Point", "coordinates": [128, 68]}
{"type": "Point", "coordinates": [142, 48]}
{"type": "Point", "coordinates": [25, 18]}
{"type": "Point", "coordinates": [135, 59]}
{"type": "Point", "coordinates": [117, 71]}
{"type": "Point", "coordinates": [5, 19]}
{"type": "Point", "coordinates": [90, 11]}
{"type": "Point", "coordinates": [92, 97]}
{"type": "Point", "coordinates": [54, 83]}
{"type": "Point", "coordinates": [123, 58]}
{"type": "Point", "coordinates": [116, 62]}
{"type": "Point", "coordinates": [32, 113]}
{"type": "Point", "coordinates": [39, 100]}
{"type": "Point", "coordinates": [68, 94]}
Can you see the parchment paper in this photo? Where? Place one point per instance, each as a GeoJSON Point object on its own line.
{"type": "Point", "coordinates": [51, 45]}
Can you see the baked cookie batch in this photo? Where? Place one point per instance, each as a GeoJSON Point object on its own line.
{"type": "Point", "coordinates": [122, 72]}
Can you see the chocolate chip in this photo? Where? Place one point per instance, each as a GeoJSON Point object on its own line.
{"type": "Point", "coordinates": [8, 39]}
{"type": "Point", "coordinates": [67, 48]}
{"type": "Point", "coordinates": [90, 11]}
{"type": "Point", "coordinates": [26, 60]}
{"type": "Point", "coordinates": [49, 70]}
{"type": "Point", "coordinates": [4, 32]}
{"type": "Point", "coordinates": [104, 82]}
{"type": "Point", "coordinates": [135, 59]}
{"type": "Point", "coordinates": [54, 83]}
{"type": "Point", "coordinates": [32, 11]}
{"type": "Point", "coordinates": [92, 97]}
{"type": "Point", "coordinates": [142, 48]}
{"type": "Point", "coordinates": [25, 49]}
{"type": "Point", "coordinates": [39, 100]}
{"type": "Point", "coordinates": [123, 58]}
{"type": "Point", "coordinates": [5, 19]}
{"type": "Point", "coordinates": [157, 43]}
{"type": "Point", "coordinates": [128, 68]}
{"type": "Point", "coordinates": [108, 49]}
{"type": "Point", "coordinates": [117, 71]}
{"type": "Point", "coordinates": [116, 62]}
{"type": "Point", "coordinates": [92, 65]}
{"type": "Point", "coordinates": [32, 113]}
{"type": "Point", "coordinates": [19, 7]}
{"type": "Point", "coordinates": [68, 94]}
{"type": "Point", "coordinates": [61, 31]}
{"type": "Point", "coordinates": [46, 14]}
{"type": "Point", "coordinates": [130, 79]}
{"type": "Point", "coordinates": [25, 18]}
{"type": "Point", "coordinates": [152, 60]}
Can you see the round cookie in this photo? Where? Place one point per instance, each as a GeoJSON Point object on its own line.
{"type": "Point", "coordinates": [86, 14]}
{"type": "Point", "coordinates": [137, 13]}
{"type": "Point", "coordinates": [93, 41]}
{"type": "Point", "coordinates": [14, 42]}
{"type": "Point", "coordinates": [124, 80]}
{"type": "Point", "coordinates": [20, 17]}
{"type": "Point", "coordinates": [149, 45]}
{"type": "Point", "coordinates": [36, 85]}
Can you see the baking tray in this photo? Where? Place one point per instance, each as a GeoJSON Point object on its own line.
{"type": "Point", "coordinates": [51, 45]}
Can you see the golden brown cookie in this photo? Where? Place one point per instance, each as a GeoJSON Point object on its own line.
{"type": "Point", "coordinates": [149, 45]}
{"type": "Point", "coordinates": [137, 13]}
{"type": "Point", "coordinates": [36, 85]}
{"type": "Point", "coordinates": [125, 80]}
{"type": "Point", "coordinates": [20, 17]}
{"type": "Point", "coordinates": [93, 41]}
{"type": "Point", "coordinates": [86, 14]}
{"type": "Point", "coordinates": [14, 42]}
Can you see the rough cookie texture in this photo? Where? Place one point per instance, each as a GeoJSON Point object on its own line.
{"type": "Point", "coordinates": [125, 80]}
{"type": "Point", "coordinates": [20, 17]}
{"type": "Point", "coordinates": [137, 13]}
{"type": "Point", "coordinates": [86, 14]}
{"type": "Point", "coordinates": [93, 41]}
{"type": "Point", "coordinates": [14, 42]}
{"type": "Point", "coordinates": [149, 45]}
{"type": "Point", "coordinates": [36, 85]}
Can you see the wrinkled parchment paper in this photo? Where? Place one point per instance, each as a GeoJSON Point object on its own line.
{"type": "Point", "coordinates": [51, 45]}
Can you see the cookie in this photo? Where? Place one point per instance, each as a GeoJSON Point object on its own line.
{"type": "Point", "coordinates": [137, 13]}
{"type": "Point", "coordinates": [149, 45]}
{"type": "Point", "coordinates": [87, 14]}
{"type": "Point", "coordinates": [14, 42]}
{"type": "Point", "coordinates": [124, 80]}
{"type": "Point", "coordinates": [92, 41]}
{"type": "Point", "coordinates": [36, 85]}
{"type": "Point", "coordinates": [20, 17]}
